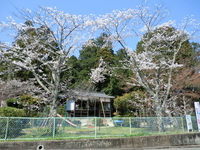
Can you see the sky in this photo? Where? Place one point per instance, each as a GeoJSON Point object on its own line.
{"type": "Point", "coordinates": [178, 9]}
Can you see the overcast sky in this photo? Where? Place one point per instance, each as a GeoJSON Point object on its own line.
{"type": "Point", "coordinates": [178, 9]}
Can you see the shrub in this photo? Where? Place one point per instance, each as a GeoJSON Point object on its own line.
{"type": "Point", "coordinates": [31, 105]}
{"type": "Point", "coordinates": [12, 112]}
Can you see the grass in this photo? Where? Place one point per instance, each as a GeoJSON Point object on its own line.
{"type": "Point", "coordinates": [45, 133]}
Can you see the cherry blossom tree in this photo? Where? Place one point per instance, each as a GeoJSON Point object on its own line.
{"type": "Point", "coordinates": [154, 66]}
{"type": "Point", "coordinates": [45, 53]}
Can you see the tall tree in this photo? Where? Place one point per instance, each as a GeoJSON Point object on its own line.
{"type": "Point", "coordinates": [87, 60]}
{"type": "Point", "coordinates": [91, 52]}
{"type": "Point", "coordinates": [158, 60]}
{"type": "Point", "coordinates": [59, 35]}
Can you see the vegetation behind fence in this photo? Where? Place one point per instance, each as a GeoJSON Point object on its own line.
{"type": "Point", "coordinates": [15, 128]}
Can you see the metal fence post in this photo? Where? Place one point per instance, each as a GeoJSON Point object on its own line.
{"type": "Point", "coordinates": [95, 127]}
{"type": "Point", "coordinates": [7, 125]}
{"type": "Point", "coordinates": [130, 124]}
{"type": "Point", "coordinates": [182, 124]}
{"type": "Point", "coordinates": [54, 126]}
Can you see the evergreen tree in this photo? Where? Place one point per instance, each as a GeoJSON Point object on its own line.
{"type": "Point", "coordinates": [106, 54]}
{"type": "Point", "coordinates": [87, 60]}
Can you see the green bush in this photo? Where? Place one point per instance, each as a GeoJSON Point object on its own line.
{"type": "Point", "coordinates": [12, 112]}
{"type": "Point", "coordinates": [31, 105]}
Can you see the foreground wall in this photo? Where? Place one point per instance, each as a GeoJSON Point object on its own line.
{"type": "Point", "coordinates": [131, 142]}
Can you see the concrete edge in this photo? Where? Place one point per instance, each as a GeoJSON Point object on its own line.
{"type": "Point", "coordinates": [167, 140]}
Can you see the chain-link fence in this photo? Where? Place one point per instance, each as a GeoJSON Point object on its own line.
{"type": "Point", "coordinates": [65, 127]}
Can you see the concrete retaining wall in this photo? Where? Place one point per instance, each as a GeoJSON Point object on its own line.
{"type": "Point", "coordinates": [131, 142]}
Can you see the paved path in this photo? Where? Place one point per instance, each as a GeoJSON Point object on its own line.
{"type": "Point", "coordinates": [188, 147]}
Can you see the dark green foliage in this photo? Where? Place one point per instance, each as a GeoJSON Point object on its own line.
{"type": "Point", "coordinates": [106, 54]}
{"type": "Point", "coordinates": [13, 103]}
{"type": "Point", "coordinates": [62, 110]}
{"type": "Point", "coordinates": [186, 55]}
{"type": "Point", "coordinates": [71, 75]}
{"type": "Point", "coordinates": [113, 87]}
{"type": "Point", "coordinates": [83, 65]}
{"type": "Point", "coordinates": [196, 53]}
{"type": "Point", "coordinates": [87, 60]}
{"type": "Point", "coordinates": [87, 57]}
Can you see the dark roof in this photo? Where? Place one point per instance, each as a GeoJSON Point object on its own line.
{"type": "Point", "coordinates": [89, 94]}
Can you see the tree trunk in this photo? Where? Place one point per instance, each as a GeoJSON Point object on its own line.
{"type": "Point", "coordinates": [53, 110]}
{"type": "Point", "coordinates": [160, 124]}
{"type": "Point", "coordinates": [159, 114]}
{"type": "Point", "coordinates": [54, 99]}
{"type": "Point", "coordinates": [55, 90]}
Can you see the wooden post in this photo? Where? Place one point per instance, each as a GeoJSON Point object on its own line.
{"type": "Point", "coordinates": [81, 108]}
{"type": "Point", "coordinates": [102, 108]}
{"type": "Point", "coordinates": [87, 107]}
{"type": "Point", "coordinates": [75, 108]}
{"type": "Point", "coordinates": [95, 106]}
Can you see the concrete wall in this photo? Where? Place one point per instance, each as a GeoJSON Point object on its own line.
{"type": "Point", "coordinates": [130, 142]}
